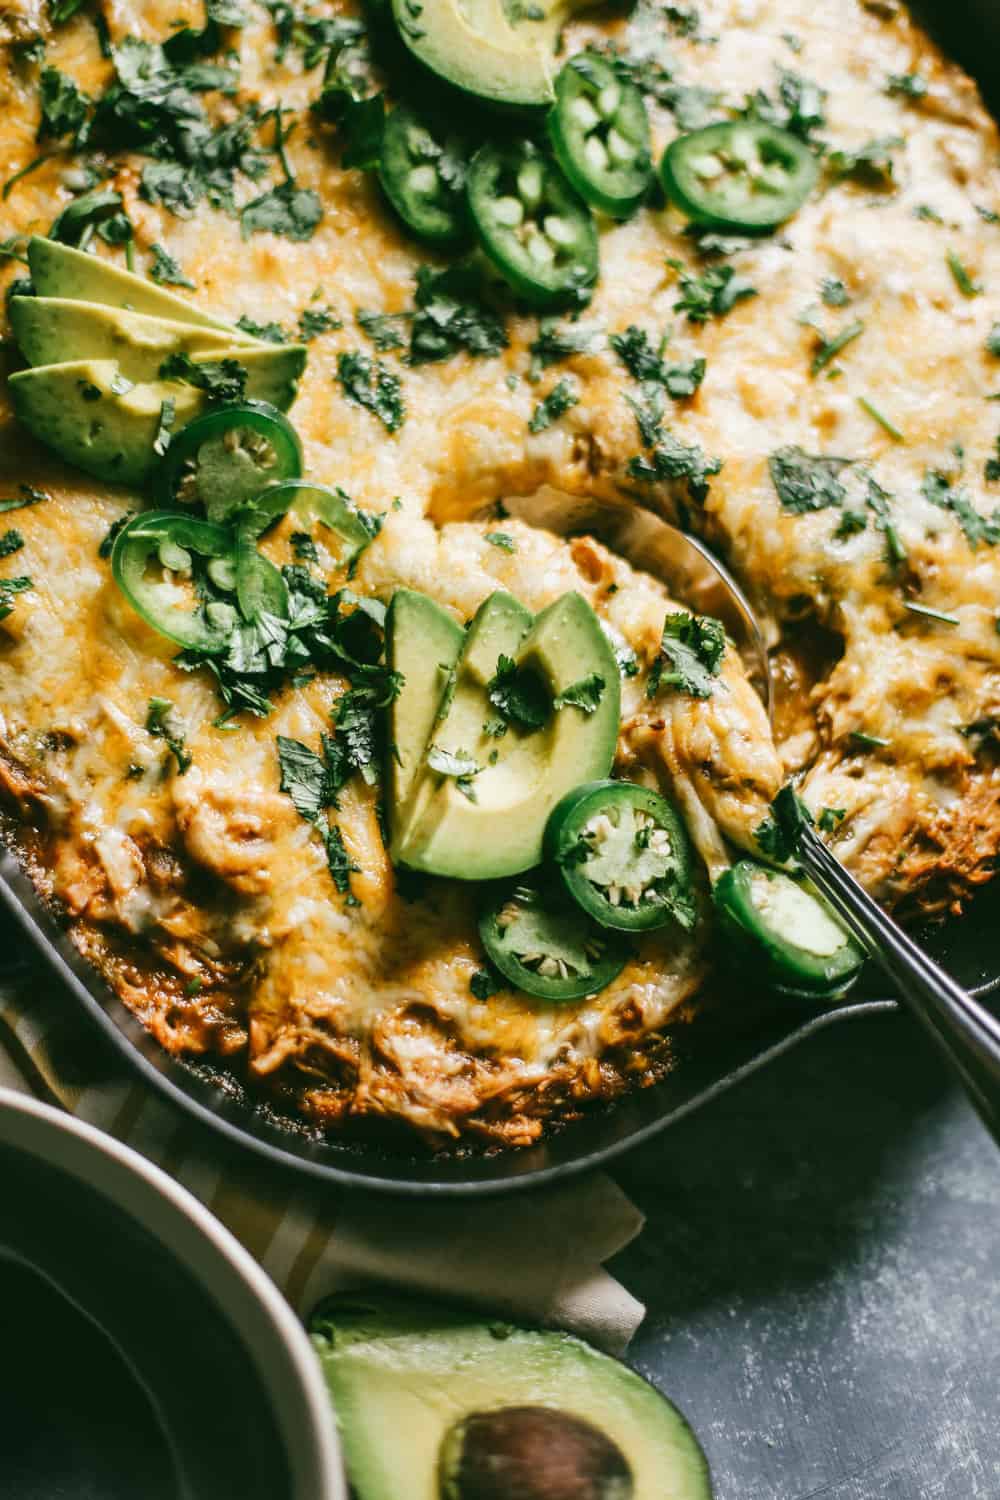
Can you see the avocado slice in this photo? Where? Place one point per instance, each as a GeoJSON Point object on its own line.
{"type": "Point", "coordinates": [46, 328]}
{"type": "Point", "coordinates": [461, 706]}
{"type": "Point", "coordinates": [422, 644]}
{"type": "Point", "coordinates": [490, 824]}
{"type": "Point", "coordinates": [60, 271]}
{"type": "Point", "coordinates": [473, 45]}
{"type": "Point", "coordinates": [434, 1404]}
{"type": "Point", "coordinates": [90, 415]}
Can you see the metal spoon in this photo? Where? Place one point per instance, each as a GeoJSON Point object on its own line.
{"type": "Point", "coordinates": [966, 1033]}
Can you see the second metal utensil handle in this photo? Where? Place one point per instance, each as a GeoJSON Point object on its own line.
{"type": "Point", "coordinates": [965, 1030]}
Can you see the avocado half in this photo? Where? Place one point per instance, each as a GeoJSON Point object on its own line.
{"type": "Point", "coordinates": [435, 1404]}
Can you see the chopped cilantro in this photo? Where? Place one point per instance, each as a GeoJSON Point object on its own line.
{"type": "Point", "coordinates": [870, 164]}
{"type": "Point", "coordinates": [927, 613]}
{"type": "Point", "coordinates": [799, 106]}
{"type": "Point", "coordinates": [305, 776]}
{"type": "Point", "coordinates": [977, 528]}
{"type": "Point", "coordinates": [502, 540]}
{"type": "Point", "coordinates": [314, 321]}
{"type": "Point", "coordinates": [64, 107]}
{"type": "Point", "coordinates": [964, 280]}
{"type": "Point", "coordinates": [8, 588]}
{"type": "Point", "coordinates": [927, 213]}
{"type": "Point", "coordinates": [833, 292]}
{"type": "Point", "coordinates": [166, 269]}
{"type": "Point", "coordinates": [29, 495]}
{"type": "Point", "coordinates": [559, 400]}
{"type": "Point", "coordinates": [669, 457]}
{"type": "Point", "coordinates": [304, 547]}
{"type": "Point", "coordinates": [807, 482]}
{"type": "Point", "coordinates": [519, 696]}
{"type": "Point", "coordinates": [164, 723]}
{"type": "Point", "coordinates": [881, 418]}
{"type": "Point", "coordinates": [906, 85]}
{"type": "Point", "coordinates": [690, 655]}
{"type": "Point", "coordinates": [286, 209]}
{"type": "Point", "coordinates": [10, 542]}
{"type": "Point", "coordinates": [484, 983]}
{"type": "Point", "coordinates": [830, 348]}
{"type": "Point", "coordinates": [455, 763]}
{"type": "Point", "coordinates": [557, 341]}
{"type": "Point", "coordinates": [168, 411]}
{"type": "Point", "coordinates": [711, 294]}
{"type": "Point", "coordinates": [368, 383]}
{"type": "Point", "coordinates": [451, 317]}
{"type": "Point", "coordinates": [829, 818]}
{"type": "Point", "coordinates": [386, 330]}
{"type": "Point", "coordinates": [993, 341]}
{"type": "Point", "coordinates": [272, 333]}
{"type": "Point", "coordinates": [223, 381]}
{"type": "Point", "coordinates": [584, 695]}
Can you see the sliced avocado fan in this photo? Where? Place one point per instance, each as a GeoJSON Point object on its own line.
{"type": "Point", "coordinates": [98, 420]}
{"type": "Point", "coordinates": [434, 1404]}
{"type": "Point", "coordinates": [478, 807]}
{"type": "Point", "coordinates": [97, 338]}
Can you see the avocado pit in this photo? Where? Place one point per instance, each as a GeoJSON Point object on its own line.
{"type": "Point", "coordinates": [531, 1453]}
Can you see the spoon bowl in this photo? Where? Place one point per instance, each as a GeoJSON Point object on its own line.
{"type": "Point", "coordinates": [691, 572]}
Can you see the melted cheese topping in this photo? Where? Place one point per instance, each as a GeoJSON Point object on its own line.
{"type": "Point", "coordinates": [366, 1010]}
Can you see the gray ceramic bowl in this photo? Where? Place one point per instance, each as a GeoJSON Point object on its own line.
{"type": "Point", "coordinates": [145, 1351]}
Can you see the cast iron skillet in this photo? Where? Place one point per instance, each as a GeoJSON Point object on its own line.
{"type": "Point", "coordinates": [713, 1054]}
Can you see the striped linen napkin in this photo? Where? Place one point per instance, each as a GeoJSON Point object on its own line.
{"type": "Point", "coordinates": [537, 1257]}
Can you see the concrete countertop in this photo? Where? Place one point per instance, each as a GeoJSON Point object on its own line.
{"type": "Point", "coordinates": [821, 1266]}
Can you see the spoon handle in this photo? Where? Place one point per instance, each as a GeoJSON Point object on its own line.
{"type": "Point", "coordinates": [965, 1031]}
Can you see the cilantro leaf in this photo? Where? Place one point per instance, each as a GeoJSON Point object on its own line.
{"type": "Point", "coordinates": [272, 333]}
{"type": "Point", "coordinates": [386, 330]}
{"type": "Point", "coordinates": [451, 317]}
{"type": "Point", "coordinates": [305, 777]}
{"type": "Point", "coordinates": [584, 695]}
{"type": "Point", "coordinates": [557, 341]}
{"type": "Point", "coordinates": [10, 542]}
{"type": "Point", "coordinates": [671, 459]}
{"type": "Point", "coordinates": [559, 400]}
{"type": "Point", "coordinates": [164, 723]}
{"type": "Point", "coordinates": [710, 294]}
{"type": "Point", "coordinates": [314, 321]}
{"type": "Point", "coordinates": [519, 696]}
{"type": "Point", "coordinates": [370, 384]}
{"type": "Point", "coordinates": [286, 209]}
{"type": "Point", "coordinates": [223, 381]}
{"type": "Point", "coordinates": [938, 488]}
{"type": "Point", "coordinates": [64, 106]}
{"type": "Point", "coordinates": [690, 656]}
{"type": "Point", "coordinates": [166, 270]}
{"type": "Point", "coordinates": [807, 482]}
{"type": "Point", "coordinates": [502, 540]}
{"type": "Point", "coordinates": [870, 164]}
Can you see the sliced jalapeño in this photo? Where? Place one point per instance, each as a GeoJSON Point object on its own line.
{"type": "Point", "coordinates": [741, 175]}
{"type": "Point", "coordinates": [152, 559]}
{"type": "Point", "coordinates": [224, 458]}
{"type": "Point", "coordinates": [782, 928]}
{"type": "Point", "coordinates": [533, 226]}
{"type": "Point", "coordinates": [624, 856]}
{"type": "Point", "coordinates": [599, 131]}
{"type": "Point", "coordinates": [548, 948]}
{"type": "Point", "coordinates": [422, 171]}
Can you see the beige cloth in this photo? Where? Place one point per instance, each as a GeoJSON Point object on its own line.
{"type": "Point", "coordinates": [537, 1257]}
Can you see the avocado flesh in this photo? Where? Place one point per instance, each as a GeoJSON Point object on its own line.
{"type": "Point", "coordinates": [401, 1373]}
{"type": "Point", "coordinates": [498, 628]}
{"type": "Point", "coordinates": [501, 832]}
{"type": "Point", "coordinates": [422, 643]}
{"type": "Point", "coordinates": [60, 271]}
{"type": "Point", "coordinates": [111, 436]}
{"type": "Point", "coordinates": [46, 328]}
{"type": "Point", "coordinates": [472, 44]}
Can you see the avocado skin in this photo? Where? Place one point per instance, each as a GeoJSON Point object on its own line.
{"type": "Point", "coordinates": [61, 271]}
{"type": "Point", "coordinates": [402, 1373]}
{"type": "Point", "coordinates": [73, 409]}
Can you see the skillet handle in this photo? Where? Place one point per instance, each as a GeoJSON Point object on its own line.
{"type": "Point", "coordinates": [967, 1034]}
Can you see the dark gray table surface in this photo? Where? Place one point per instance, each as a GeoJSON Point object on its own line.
{"type": "Point", "coordinates": [820, 1265]}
